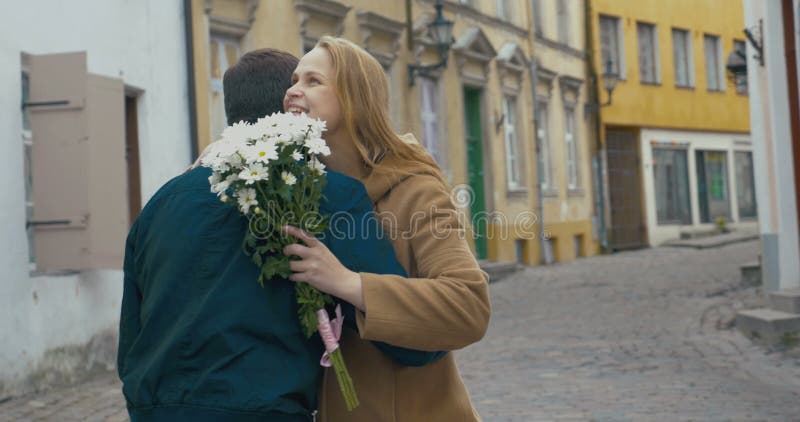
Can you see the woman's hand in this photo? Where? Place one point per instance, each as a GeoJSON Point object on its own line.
{"type": "Point", "coordinates": [321, 269]}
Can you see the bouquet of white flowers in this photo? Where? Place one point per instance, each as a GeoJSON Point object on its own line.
{"type": "Point", "coordinates": [271, 171]}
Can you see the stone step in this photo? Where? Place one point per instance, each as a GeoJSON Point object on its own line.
{"type": "Point", "coordinates": [770, 327]}
{"type": "Point", "coordinates": [499, 270]}
{"type": "Point", "coordinates": [785, 301]}
{"type": "Point", "coordinates": [751, 273]}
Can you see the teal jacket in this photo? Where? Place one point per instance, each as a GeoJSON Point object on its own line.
{"type": "Point", "coordinates": [199, 339]}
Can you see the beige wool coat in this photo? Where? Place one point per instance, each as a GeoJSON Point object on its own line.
{"type": "Point", "coordinates": [443, 305]}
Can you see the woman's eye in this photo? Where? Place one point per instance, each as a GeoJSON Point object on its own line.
{"type": "Point", "coordinates": [313, 81]}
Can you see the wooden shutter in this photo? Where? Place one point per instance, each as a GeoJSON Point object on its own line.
{"type": "Point", "coordinates": [79, 171]}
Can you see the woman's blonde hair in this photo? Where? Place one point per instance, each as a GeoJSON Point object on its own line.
{"type": "Point", "coordinates": [363, 94]}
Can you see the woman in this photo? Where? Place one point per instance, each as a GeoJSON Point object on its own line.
{"type": "Point", "coordinates": [444, 305]}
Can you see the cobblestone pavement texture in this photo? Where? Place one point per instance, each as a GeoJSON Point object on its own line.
{"type": "Point", "coordinates": [636, 336]}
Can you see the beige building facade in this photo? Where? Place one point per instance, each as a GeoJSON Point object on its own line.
{"type": "Point", "coordinates": [475, 116]}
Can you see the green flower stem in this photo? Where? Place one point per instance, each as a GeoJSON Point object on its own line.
{"type": "Point", "coordinates": [345, 382]}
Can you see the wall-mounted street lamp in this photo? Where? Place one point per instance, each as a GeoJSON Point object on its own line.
{"type": "Point", "coordinates": [609, 79]}
{"type": "Point", "coordinates": [737, 67]}
{"type": "Point", "coordinates": [441, 30]}
{"type": "Point", "coordinates": [737, 60]}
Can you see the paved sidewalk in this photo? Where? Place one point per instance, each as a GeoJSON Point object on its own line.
{"type": "Point", "coordinates": [636, 336]}
{"type": "Point", "coordinates": [715, 241]}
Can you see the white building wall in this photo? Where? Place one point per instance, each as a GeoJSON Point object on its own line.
{"type": "Point", "coordinates": [693, 141]}
{"type": "Point", "coordinates": [772, 149]}
{"type": "Point", "coordinates": [47, 321]}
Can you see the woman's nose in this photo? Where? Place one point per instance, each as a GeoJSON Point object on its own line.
{"type": "Point", "coordinates": [293, 91]}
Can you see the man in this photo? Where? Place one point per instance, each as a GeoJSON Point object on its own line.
{"type": "Point", "coordinates": [200, 340]}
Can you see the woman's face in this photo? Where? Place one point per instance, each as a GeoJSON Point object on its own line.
{"type": "Point", "coordinates": [312, 90]}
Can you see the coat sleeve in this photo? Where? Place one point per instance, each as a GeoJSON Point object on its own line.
{"type": "Point", "coordinates": [129, 321]}
{"type": "Point", "coordinates": [445, 305]}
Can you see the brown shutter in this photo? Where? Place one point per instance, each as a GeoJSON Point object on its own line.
{"type": "Point", "coordinates": [79, 182]}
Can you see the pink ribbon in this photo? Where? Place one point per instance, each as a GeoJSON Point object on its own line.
{"type": "Point", "coordinates": [330, 331]}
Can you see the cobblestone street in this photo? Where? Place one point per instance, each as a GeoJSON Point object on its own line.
{"type": "Point", "coordinates": [636, 336]}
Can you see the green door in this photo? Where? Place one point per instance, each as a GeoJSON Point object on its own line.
{"type": "Point", "coordinates": [472, 116]}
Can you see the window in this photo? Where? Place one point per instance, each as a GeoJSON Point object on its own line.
{"type": "Point", "coordinates": [513, 163]}
{"type": "Point", "coordinates": [543, 154]}
{"type": "Point", "coordinates": [537, 17]}
{"type": "Point", "coordinates": [504, 10]}
{"type": "Point", "coordinates": [682, 58]}
{"type": "Point", "coordinates": [429, 116]}
{"type": "Point", "coordinates": [224, 52]}
{"type": "Point", "coordinates": [611, 46]}
{"type": "Point", "coordinates": [648, 53]}
{"type": "Point", "coordinates": [571, 143]}
{"type": "Point", "coordinates": [563, 21]}
{"type": "Point", "coordinates": [671, 179]}
{"type": "Point", "coordinates": [741, 80]}
{"type": "Point", "coordinates": [713, 53]}
{"type": "Point", "coordinates": [27, 143]}
{"type": "Point", "coordinates": [745, 186]}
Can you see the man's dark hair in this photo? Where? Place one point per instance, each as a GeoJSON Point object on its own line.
{"type": "Point", "coordinates": [254, 87]}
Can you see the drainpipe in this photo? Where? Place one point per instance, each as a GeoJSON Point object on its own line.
{"type": "Point", "coordinates": [539, 175]}
{"type": "Point", "coordinates": [189, 32]}
{"type": "Point", "coordinates": [790, 54]}
{"type": "Point", "coordinates": [594, 98]}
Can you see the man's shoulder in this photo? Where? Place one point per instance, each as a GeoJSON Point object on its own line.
{"type": "Point", "coordinates": [193, 183]}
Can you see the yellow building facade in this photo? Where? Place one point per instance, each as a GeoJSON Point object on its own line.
{"type": "Point", "coordinates": [675, 137]}
{"type": "Point", "coordinates": [475, 116]}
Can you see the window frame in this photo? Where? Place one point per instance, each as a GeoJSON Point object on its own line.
{"type": "Point", "coordinates": [688, 52]}
{"type": "Point", "coordinates": [505, 9]}
{"type": "Point", "coordinates": [563, 22]}
{"type": "Point", "coordinates": [619, 50]}
{"type": "Point", "coordinates": [544, 161]}
{"type": "Point", "coordinates": [572, 149]}
{"type": "Point", "coordinates": [654, 52]}
{"type": "Point", "coordinates": [515, 174]}
{"type": "Point", "coordinates": [27, 145]}
{"type": "Point", "coordinates": [436, 148]}
{"type": "Point", "coordinates": [720, 77]}
{"type": "Point", "coordinates": [215, 84]}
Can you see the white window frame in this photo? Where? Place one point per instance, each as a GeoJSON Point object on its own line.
{"type": "Point", "coordinates": [514, 172]}
{"type": "Point", "coordinates": [563, 20]}
{"type": "Point", "coordinates": [504, 9]}
{"type": "Point", "coordinates": [571, 146]}
{"type": "Point", "coordinates": [432, 118]}
{"type": "Point", "coordinates": [543, 139]}
{"type": "Point", "coordinates": [215, 84]}
{"type": "Point", "coordinates": [718, 64]}
{"type": "Point", "coordinates": [655, 51]}
{"type": "Point", "coordinates": [688, 51]}
{"type": "Point", "coordinates": [27, 145]}
{"type": "Point", "coordinates": [616, 24]}
{"type": "Point", "coordinates": [538, 22]}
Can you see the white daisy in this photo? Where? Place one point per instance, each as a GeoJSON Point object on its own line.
{"type": "Point", "coordinates": [253, 173]}
{"type": "Point", "coordinates": [288, 178]}
{"type": "Point", "coordinates": [247, 199]}
{"type": "Point", "coordinates": [297, 156]}
{"type": "Point", "coordinates": [261, 152]}
{"type": "Point", "coordinates": [317, 146]}
{"type": "Point", "coordinates": [317, 166]}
